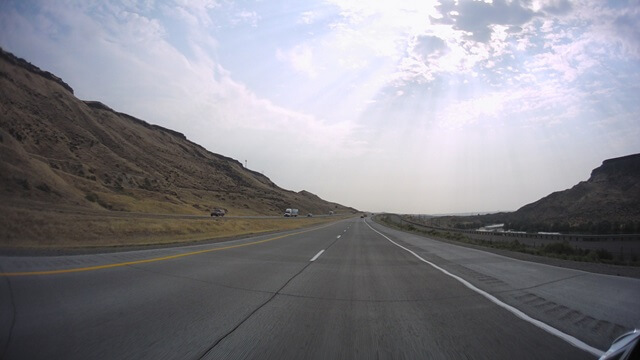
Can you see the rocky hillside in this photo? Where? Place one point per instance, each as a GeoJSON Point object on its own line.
{"type": "Point", "coordinates": [57, 150]}
{"type": "Point", "coordinates": [608, 202]}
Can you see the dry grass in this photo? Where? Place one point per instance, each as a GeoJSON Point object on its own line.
{"type": "Point", "coordinates": [28, 228]}
{"type": "Point", "coordinates": [141, 201]}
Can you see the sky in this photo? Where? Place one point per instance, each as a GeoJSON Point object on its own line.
{"type": "Point", "coordinates": [430, 107]}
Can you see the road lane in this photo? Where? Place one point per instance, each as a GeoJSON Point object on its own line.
{"type": "Point", "coordinates": [365, 298]}
{"type": "Point", "coordinates": [362, 297]}
{"type": "Point", "coordinates": [49, 265]}
{"type": "Point", "coordinates": [566, 337]}
{"type": "Point", "coordinates": [166, 309]}
{"type": "Point", "coordinates": [595, 308]}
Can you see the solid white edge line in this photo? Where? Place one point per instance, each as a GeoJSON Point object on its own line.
{"type": "Point", "coordinates": [317, 255]}
{"type": "Point", "coordinates": [566, 337]}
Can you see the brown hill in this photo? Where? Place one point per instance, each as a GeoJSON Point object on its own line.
{"type": "Point", "coordinates": [608, 202]}
{"type": "Point", "coordinates": [59, 151]}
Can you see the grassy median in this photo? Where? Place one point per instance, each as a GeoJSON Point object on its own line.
{"type": "Point", "coordinates": [29, 229]}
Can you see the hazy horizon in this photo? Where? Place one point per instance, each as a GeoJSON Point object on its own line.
{"type": "Point", "coordinates": [422, 107]}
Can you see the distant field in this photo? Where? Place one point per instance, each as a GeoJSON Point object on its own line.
{"type": "Point", "coordinates": [33, 229]}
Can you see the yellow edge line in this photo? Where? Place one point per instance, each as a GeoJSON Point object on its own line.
{"type": "Point", "coordinates": [108, 266]}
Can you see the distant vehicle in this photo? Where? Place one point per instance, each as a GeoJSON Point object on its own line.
{"type": "Point", "coordinates": [330, 212]}
{"type": "Point", "coordinates": [625, 347]}
{"type": "Point", "coordinates": [362, 216]}
{"type": "Point", "coordinates": [309, 215]}
{"type": "Point", "coordinates": [291, 213]}
{"type": "Point", "coordinates": [217, 212]}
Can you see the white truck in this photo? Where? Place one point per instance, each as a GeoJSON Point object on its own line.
{"type": "Point", "coordinates": [291, 213]}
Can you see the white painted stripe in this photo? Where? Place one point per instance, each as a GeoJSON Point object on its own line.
{"type": "Point", "coordinates": [553, 331]}
{"type": "Point", "coordinates": [338, 237]}
{"type": "Point", "coordinates": [317, 255]}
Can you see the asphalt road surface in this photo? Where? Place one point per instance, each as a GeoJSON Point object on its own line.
{"type": "Point", "coordinates": [352, 289]}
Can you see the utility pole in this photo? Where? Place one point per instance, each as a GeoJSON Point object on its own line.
{"type": "Point", "coordinates": [245, 164]}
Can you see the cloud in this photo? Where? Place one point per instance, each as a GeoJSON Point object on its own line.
{"type": "Point", "coordinates": [476, 17]}
{"type": "Point", "coordinates": [626, 28]}
{"type": "Point", "coordinates": [463, 113]}
{"type": "Point", "coordinates": [540, 103]}
{"type": "Point", "coordinates": [246, 17]}
{"type": "Point", "coordinates": [197, 9]}
{"type": "Point", "coordinates": [300, 58]}
{"type": "Point", "coordinates": [557, 7]}
{"type": "Point", "coordinates": [585, 40]}
{"type": "Point", "coordinates": [333, 87]}
{"type": "Point", "coordinates": [427, 45]}
{"type": "Point", "coordinates": [308, 17]}
{"type": "Point", "coordinates": [145, 76]}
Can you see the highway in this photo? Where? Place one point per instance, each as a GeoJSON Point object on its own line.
{"type": "Point", "coordinates": [351, 289]}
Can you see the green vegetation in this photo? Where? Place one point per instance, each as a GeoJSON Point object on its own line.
{"type": "Point", "coordinates": [559, 250]}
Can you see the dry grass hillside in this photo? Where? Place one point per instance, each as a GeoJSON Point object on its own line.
{"type": "Point", "coordinates": [59, 152]}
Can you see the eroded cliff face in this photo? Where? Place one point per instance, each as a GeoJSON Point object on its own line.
{"type": "Point", "coordinates": [610, 198]}
{"type": "Point", "coordinates": [608, 202]}
{"type": "Point", "coordinates": [623, 171]}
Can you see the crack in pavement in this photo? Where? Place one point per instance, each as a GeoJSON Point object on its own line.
{"type": "Point", "coordinates": [232, 330]}
{"type": "Point", "coordinates": [539, 285]}
{"type": "Point", "coordinates": [199, 280]}
{"type": "Point", "coordinates": [379, 301]}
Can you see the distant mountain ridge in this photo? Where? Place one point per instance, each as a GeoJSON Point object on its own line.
{"type": "Point", "coordinates": [608, 202]}
{"type": "Point", "coordinates": [610, 195]}
{"type": "Point", "coordinates": [56, 149]}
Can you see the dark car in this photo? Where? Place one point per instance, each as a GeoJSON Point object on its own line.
{"type": "Point", "coordinates": [625, 347]}
{"type": "Point", "coordinates": [217, 212]}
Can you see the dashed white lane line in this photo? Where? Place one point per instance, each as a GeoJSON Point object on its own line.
{"type": "Point", "coordinates": [553, 331]}
{"type": "Point", "coordinates": [317, 255]}
{"type": "Point", "coordinates": [338, 237]}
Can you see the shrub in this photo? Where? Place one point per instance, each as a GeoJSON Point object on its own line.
{"type": "Point", "coordinates": [91, 197]}
{"type": "Point", "coordinates": [44, 187]}
{"type": "Point", "coordinates": [562, 248]}
{"type": "Point", "coordinates": [24, 183]}
{"type": "Point", "coordinates": [604, 254]}
{"type": "Point", "coordinates": [515, 245]}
